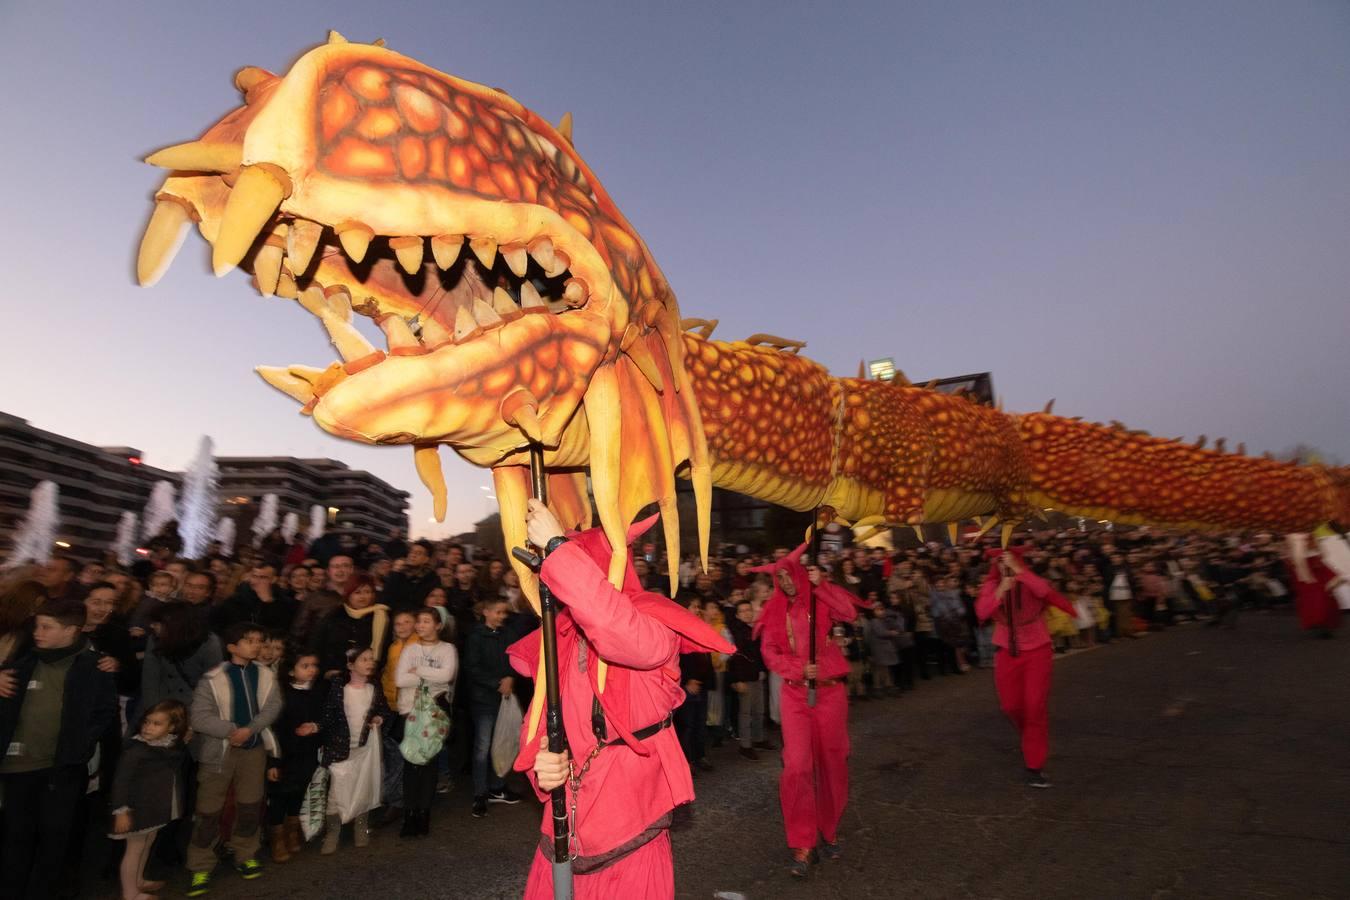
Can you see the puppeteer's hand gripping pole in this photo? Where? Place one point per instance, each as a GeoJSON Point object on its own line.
{"type": "Point", "coordinates": [553, 721]}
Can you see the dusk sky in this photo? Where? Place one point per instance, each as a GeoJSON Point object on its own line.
{"type": "Point", "coordinates": [1141, 209]}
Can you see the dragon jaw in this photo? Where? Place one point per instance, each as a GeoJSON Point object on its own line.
{"type": "Point", "coordinates": [517, 302]}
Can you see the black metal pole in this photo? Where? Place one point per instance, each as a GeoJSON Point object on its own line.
{"type": "Point", "coordinates": [553, 720]}
{"type": "Point", "coordinates": [811, 608]}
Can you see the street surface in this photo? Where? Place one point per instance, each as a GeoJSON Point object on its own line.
{"type": "Point", "coordinates": [1193, 763]}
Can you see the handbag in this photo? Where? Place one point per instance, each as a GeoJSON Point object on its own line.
{"type": "Point", "coordinates": [314, 808]}
{"type": "Point", "coordinates": [506, 736]}
{"type": "Point", "coordinates": [425, 729]}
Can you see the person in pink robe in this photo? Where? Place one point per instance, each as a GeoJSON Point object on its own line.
{"type": "Point", "coordinates": [627, 771]}
{"type": "Point", "coordinates": [813, 788]}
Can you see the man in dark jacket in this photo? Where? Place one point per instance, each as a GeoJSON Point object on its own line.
{"type": "Point", "coordinates": [407, 589]}
{"type": "Point", "coordinates": [746, 676]}
{"type": "Point", "coordinates": [258, 601]}
{"type": "Point", "coordinates": [691, 718]}
{"type": "Point", "coordinates": [489, 678]}
{"type": "Point", "coordinates": [54, 704]}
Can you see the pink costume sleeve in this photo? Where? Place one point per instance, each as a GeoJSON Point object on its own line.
{"type": "Point", "coordinates": [839, 603]}
{"type": "Point", "coordinates": [1039, 588]}
{"type": "Point", "coordinates": [612, 624]}
{"type": "Point", "coordinates": [987, 602]}
{"type": "Point", "coordinates": [778, 656]}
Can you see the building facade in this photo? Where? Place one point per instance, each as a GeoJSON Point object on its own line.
{"type": "Point", "coordinates": [96, 484]}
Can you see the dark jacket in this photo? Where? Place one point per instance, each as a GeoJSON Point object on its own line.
{"type": "Point", "coordinates": [485, 664]}
{"type": "Point", "coordinates": [339, 632]}
{"type": "Point", "coordinates": [88, 706]}
{"type": "Point", "coordinates": [698, 667]}
{"type": "Point", "coordinates": [300, 755]}
{"type": "Point", "coordinates": [163, 678]}
{"type": "Point", "coordinates": [244, 605]}
{"type": "Point", "coordinates": [747, 664]}
{"type": "Point", "coordinates": [149, 782]}
{"type": "Point", "coordinates": [113, 638]}
{"type": "Point", "coordinates": [406, 591]}
{"type": "Point", "coordinates": [336, 736]}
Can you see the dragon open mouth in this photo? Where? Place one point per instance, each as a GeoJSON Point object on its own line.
{"type": "Point", "coordinates": [517, 305]}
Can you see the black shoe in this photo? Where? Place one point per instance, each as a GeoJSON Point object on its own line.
{"type": "Point", "coordinates": [749, 753]}
{"type": "Point", "coordinates": [801, 862]}
{"type": "Point", "coordinates": [1036, 780]}
{"type": "Point", "coordinates": [424, 823]}
{"type": "Point", "coordinates": [505, 795]}
{"type": "Point", "coordinates": [834, 851]}
{"type": "Point", "coordinates": [479, 807]}
{"type": "Point", "coordinates": [410, 824]}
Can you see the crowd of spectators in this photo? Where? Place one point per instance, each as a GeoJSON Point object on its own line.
{"type": "Point", "coordinates": [265, 661]}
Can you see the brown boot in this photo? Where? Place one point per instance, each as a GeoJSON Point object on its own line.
{"type": "Point", "coordinates": [280, 852]}
{"type": "Point", "coordinates": [295, 837]}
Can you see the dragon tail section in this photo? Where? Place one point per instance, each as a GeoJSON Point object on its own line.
{"type": "Point", "coordinates": [1130, 477]}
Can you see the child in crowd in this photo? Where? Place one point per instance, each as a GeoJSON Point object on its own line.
{"type": "Point", "coordinates": [883, 631]}
{"type": "Point", "coordinates": [233, 709]}
{"type": "Point", "coordinates": [352, 711]}
{"type": "Point", "coordinates": [1085, 616]}
{"type": "Point", "coordinates": [403, 635]}
{"type": "Point", "coordinates": [298, 734]}
{"type": "Point", "coordinates": [146, 793]}
{"type": "Point", "coordinates": [55, 704]}
{"type": "Point", "coordinates": [427, 660]}
{"type": "Point", "coordinates": [272, 650]}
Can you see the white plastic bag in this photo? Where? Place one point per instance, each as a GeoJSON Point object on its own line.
{"type": "Point", "coordinates": [506, 736]}
{"type": "Point", "coordinates": [355, 787]}
{"type": "Point", "coordinates": [314, 808]}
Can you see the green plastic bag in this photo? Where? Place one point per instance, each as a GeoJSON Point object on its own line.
{"type": "Point", "coordinates": [425, 730]}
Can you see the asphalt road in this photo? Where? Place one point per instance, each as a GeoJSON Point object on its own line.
{"type": "Point", "coordinates": [1192, 763]}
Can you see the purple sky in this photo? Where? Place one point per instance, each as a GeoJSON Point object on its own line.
{"type": "Point", "coordinates": [1141, 209]}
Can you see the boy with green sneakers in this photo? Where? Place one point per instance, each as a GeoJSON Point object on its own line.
{"type": "Point", "coordinates": [233, 708]}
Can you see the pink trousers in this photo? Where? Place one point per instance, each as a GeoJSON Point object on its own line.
{"type": "Point", "coordinates": [1023, 684]}
{"type": "Point", "coordinates": [814, 786]}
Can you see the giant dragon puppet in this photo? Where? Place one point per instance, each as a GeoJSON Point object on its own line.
{"type": "Point", "coordinates": [519, 305]}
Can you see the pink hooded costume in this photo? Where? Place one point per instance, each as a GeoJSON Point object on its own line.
{"type": "Point", "coordinates": [813, 788]}
{"type": "Point", "coordinates": [620, 826]}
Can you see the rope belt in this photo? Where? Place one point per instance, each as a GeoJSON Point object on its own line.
{"type": "Point", "coordinates": [820, 682]}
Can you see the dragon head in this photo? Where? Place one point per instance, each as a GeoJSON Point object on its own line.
{"type": "Point", "coordinates": [518, 305]}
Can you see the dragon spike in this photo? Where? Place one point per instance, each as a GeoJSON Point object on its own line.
{"type": "Point", "coordinates": [954, 533]}
{"type": "Point", "coordinates": [1220, 445]}
{"type": "Point", "coordinates": [267, 266]}
{"type": "Point", "coordinates": [485, 248]}
{"type": "Point", "coordinates": [484, 314]}
{"type": "Point", "coordinates": [565, 126]}
{"type": "Point", "coordinates": [445, 249]}
{"type": "Point", "coordinates": [1049, 407]}
{"type": "Point", "coordinates": [918, 532]}
{"type": "Point", "coordinates": [542, 251]}
{"type": "Point", "coordinates": [502, 303]}
{"type": "Point", "coordinates": [335, 37]}
{"type": "Point", "coordinates": [1006, 534]}
{"type": "Point", "coordinates": [378, 42]}
{"type": "Point", "coordinates": [199, 156]}
{"type": "Point", "coordinates": [163, 236]}
{"type": "Point", "coordinates": [301, 241]}
{"type": "Point", "coordinates": [1241, 449]}
{"type": "Point", "coordinates": [985, 526]}
{"type": "Point", "coordinates": [511, 484]}
{"type": "Point", "coordinates": [635, 347]}
{"type": "Point", "coordinates": [249, 77]}
{"type": "Point", "coordinates": [670, 524]}
{"type": "Point", "coordinates": [701, 476]}
{"type": "Point", "coordinates": [1200, 442]}
{"type": "Point", "coordinates": [350, 343]}
{"type": "Point", "coordinates": [409, 253]}
{"type": "Point", "coordinates": [999, 405]}
{"type": "Point", "coordinates": [281, 378]}
{"type": "Point", "coordinates": [862, 370]}
{"type": "Point", "coordinates": [434, 333]}
{"type": "Point", "coordinates": [465, 324]}
{"type": "Point", "coordinates": [517, 259]}
{"type": "Point", "coordinates": [604, 410]}
{"type": "Point", "coordinates": [355, 238]}
{"type": "Point", "coordinates": [529, 297]}
{"type": "Point", "coordinates": [397, 333]}
{"type": "Point", "coordinates": [521, 409]}
{"type": "Point", "coordinates": [257, 193]}
{"type": "Point", "coordinates": [427, 458]}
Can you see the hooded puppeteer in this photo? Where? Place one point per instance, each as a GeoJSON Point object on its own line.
{"type": "Point", "coordinates": [813, 788]}
{"type": "Point", "coordinates": [618, 730]}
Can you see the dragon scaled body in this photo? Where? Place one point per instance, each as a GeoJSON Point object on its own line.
{"type": "Point", "coordinates": [518, 305]}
